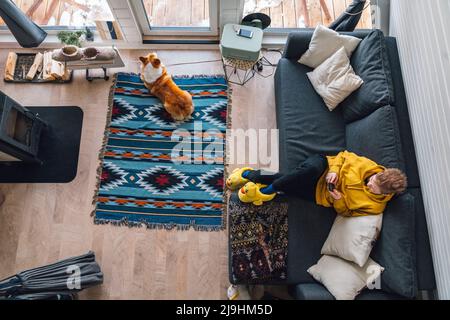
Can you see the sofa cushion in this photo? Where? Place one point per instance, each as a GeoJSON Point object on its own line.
{"type": "Point", "coordinates": [395, 249]}
{"type": "Point", "coordinates": [334, 80]}
{"type": "Point", "coordinates": [309, 226]}
{"type": "Point", "coordinates": [371, 63]}
{"type": "Point", "coordinates": [344, 279]}
{"type": "Point", "coordinates": [377, 137]}
{"type": "Point", "coordinates": [306, 126]}
{"type": "Point", "coordinates": [353, 238]}
{"type": "Point", "coordinates": [324, 43]}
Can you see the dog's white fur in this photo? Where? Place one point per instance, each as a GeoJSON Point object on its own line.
{"type": "Point", "coordinates": [152, 74]}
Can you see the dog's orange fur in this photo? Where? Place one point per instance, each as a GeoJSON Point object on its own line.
{"type": "Point", "coordinates": [177, 102]}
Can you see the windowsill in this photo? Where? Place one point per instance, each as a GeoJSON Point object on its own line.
{"type": "Point", "coordinates": [51, 42]}
{"type": "Point", "coordinates": [7, 41]}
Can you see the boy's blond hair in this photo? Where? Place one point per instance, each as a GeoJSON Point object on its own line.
{"type": "Point", "coordinates": [392, 181]}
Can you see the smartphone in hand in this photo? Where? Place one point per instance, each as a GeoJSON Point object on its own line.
{"type": "Point", "coordinates": [331, 187]}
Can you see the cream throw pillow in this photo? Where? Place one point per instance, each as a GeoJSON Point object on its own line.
{"type": "Point", "coordinates": [324, 43]}
{"type": "Point", "coordinates": [353, 238]}
{"type": "Point", "coordinates": [334, 80]}
{"type": "Point", "coordinates": [345, 280]}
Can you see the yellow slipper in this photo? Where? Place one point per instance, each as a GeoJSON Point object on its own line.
{"type": "Point", "coordinates": [235, 179]}
{"type": "Point", "coordinates": [250, 193]}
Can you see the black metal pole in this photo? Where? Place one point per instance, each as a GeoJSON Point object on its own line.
{"type": "Point", "coordinates": [27, 33]}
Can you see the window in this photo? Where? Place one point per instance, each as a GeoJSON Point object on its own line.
{"type": "Point", "coordinates": [177, 17]}
{"type": "Point", "coordinates": [65, 13]}
{"type": "Point", "coordinates": [289, 14]}
{"type": "Point", "coordinates": [166, 13]}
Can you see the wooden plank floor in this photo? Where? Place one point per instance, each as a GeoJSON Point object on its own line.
{"type": "Point", "coordinates": [43, 223]}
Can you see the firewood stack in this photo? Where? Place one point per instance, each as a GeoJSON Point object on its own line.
{"type": "Point", "coordinates": [44, 66]}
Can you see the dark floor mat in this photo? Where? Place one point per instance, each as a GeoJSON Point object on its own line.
{"type": "Point", "coordinates": [59, 149]}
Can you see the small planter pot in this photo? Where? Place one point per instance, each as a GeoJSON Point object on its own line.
{"type": "Point", "coordinates": [90, 53]}
{"type": "Point", "coordinates": [70, 51]}
{"type": "Point", "coordinates": [67, 53]}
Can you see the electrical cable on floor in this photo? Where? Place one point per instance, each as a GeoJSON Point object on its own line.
{"type": "Point", "coordinates": [264, 62]}
{"type": "Point", "coordinates": [186, 63]}
{"type": "Point", "coordinates": [195, 62]}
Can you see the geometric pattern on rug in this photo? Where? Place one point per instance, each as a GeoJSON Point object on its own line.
{"type": "Point", "coordinates": [258, 242]}
{"type": "Point", "coordinates": [144, 178]}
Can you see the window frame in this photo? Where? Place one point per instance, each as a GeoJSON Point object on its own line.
{"type": "Point", "coordinates": [53, 30]}
{"type": "Point", "coordinates": [147, 30]}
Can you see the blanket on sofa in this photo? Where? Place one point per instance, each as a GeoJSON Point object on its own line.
{"type": "Point", "coordinates": [259, 242]}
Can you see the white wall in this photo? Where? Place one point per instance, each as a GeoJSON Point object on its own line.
{"type": "Point", "coordinates": [422, 29]}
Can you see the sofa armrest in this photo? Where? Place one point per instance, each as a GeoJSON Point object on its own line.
{"type": "Point", "coordinates": [297, 43]}
{"type": "Point", "coordinates": [311, 291]}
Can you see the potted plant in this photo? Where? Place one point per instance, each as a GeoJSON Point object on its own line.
{"type": "Point", "coordinates": [71, 37]}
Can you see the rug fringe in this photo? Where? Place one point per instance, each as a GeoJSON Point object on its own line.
{"type": "Point", "coordinates": [101, 155]}
{"type": "Point", "coordinates": [157, 226]}
{"type": "Point", "coordinates": [183, 76]}
{"type": "Point", "coordinates": [226, 165]}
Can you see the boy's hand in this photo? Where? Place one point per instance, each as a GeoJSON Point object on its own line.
{"type": "Point", "coordinates": [332, 177]}
{"type": "Point", "coordinates": [335, 194]}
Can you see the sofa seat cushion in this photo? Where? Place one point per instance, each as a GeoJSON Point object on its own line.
{"type": "Point", "coordinates": [377, 137]}
{"type": "Point", "coordinates": [371, 62]}
{"type": "Point", "coordinates": [309, 226]}
{"type": "Point", "coordinates": [395, 249]}
{"type": "Point", "coordinates": [316, 291]}
{"type": "Point", "coordinates": [306, 125]}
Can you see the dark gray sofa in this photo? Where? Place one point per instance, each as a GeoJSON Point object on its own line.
{"type": "Point", "coordinates": [307, 127]}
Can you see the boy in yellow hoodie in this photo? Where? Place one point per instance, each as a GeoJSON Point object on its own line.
{"type": "Point", "coordinates": [353, 185]}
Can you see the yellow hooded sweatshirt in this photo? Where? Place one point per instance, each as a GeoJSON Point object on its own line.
{"type": "Point", "coordinates": [357, 200]}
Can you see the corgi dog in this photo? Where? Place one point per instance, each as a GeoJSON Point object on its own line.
{"type": "Point", "coordinates": [178, 103]}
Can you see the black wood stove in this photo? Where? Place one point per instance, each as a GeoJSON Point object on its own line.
{"type": "Point", "coordinates": [20, 132]}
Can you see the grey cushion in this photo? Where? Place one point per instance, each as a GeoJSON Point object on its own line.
{"type": "Point", "coordinates": [311, 291]}
{"type": "Point", "coordinates": [377, 137]}
{"type": "Point", "coordinates": [371, 63]}
{"type": "Point", "coordinates": [424, 261]}
{"type": "Point", "coordinates": [395, 249]}
{"type": "Point", "coordinates": [401, 109]}
{"type": "Point", "coordinates": [306, 126]}
{"type": "Point", "coordinates": [309, 226]}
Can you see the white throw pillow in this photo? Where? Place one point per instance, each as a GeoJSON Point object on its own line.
{"type": "Point", "coordinates": [352, 238]}
{"type": "Point", "coordinates": [345, 280]}
{"type": "Point", "coordinates": [324, 43]}
{"type": "Point", "coordinates": [334, 80]}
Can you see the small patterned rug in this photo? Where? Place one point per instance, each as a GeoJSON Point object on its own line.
{"type": "Point", "coordinates": [158, 173]}
{"type": "Point", "coordinates": [259, 242]}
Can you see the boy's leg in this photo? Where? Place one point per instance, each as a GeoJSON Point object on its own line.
{"type": "Point", "coordinates": [303, 181]}
{"type": "Point", "coordinates": [258, 176]}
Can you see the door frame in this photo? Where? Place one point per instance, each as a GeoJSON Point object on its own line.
{"type": "Point", "coordinates": [148, 30]}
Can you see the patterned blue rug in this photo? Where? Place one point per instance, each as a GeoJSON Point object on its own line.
{"type": "Point", "coordinates": [158, 173]}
